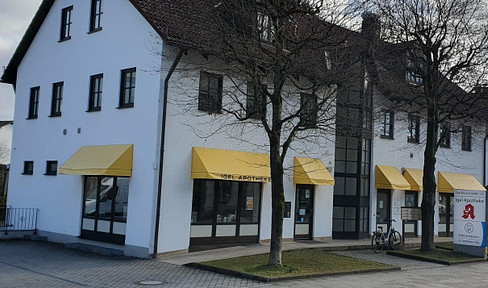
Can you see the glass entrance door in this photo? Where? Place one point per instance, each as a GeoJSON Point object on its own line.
{"type": "Point", "coordinates": [446, 214]}
{"type": "Point", "coordinates": [411, 200]}
{"type": "Point", "coordinates": [383, 209]}
{"type": "Point", "coordinates": [304, 212]}
{"type": "Point", "coordinates": [105, 209]}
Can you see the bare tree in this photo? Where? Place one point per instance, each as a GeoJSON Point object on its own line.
{"type": "Point", "coordinates": [445, 48]}
{"type": "Point", "coordinates": [288, 55]}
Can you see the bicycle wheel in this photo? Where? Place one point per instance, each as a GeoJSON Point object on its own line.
{"type": "Point", "coordinates": [376, 242]}
{"type": "Point", "coordinates": [395, 240]}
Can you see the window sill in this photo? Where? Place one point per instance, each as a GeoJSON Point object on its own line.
{"type": "Point", "coordinates": [125, 106]}
{"type": "Point", "coordinates": [28, 174]}
{"type": "Point", "coordinates": [50, 174]}
{"type": "Point", "coordinates": [210, 111]}
{"type": "Point", "coordinates": [93, 110]}
{"type": "Point", "coordinates": [413, 141]}
{"type": "Point", "coordinates": [94, 30]}
{"type": "Point", "coordinates": [467, 150]}
{"type": "Point", "coordinates": [54, 115]}
{"type": "Point", "coordinates": [445, 147]}
{"type": "Point", "coordinates": [387, 137]}
{"type": "Point", "coordinates": [64, 39]}
{"type": "Point", "coordinates": [31, 118]}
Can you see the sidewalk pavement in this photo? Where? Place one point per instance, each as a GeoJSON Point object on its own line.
{"type": "Point", "coordinates": [253, 249]}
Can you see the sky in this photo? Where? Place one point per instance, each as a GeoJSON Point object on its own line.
{"type": "Point", "coordinates": [15, 16]}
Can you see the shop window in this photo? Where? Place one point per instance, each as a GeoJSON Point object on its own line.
{"type": "Point", "coordinates": [210, 92]}
{"type": "Point", "coordinates": [203, 202]}
{"type": "Point", "coordinates": [387, 124]}
{"type": "Point", "coordinates": [51, 168]}
{"type": "Point", "coordinates": [28, 168]}
{"type": "Point", "coordinates": [34, 102]}
{"type": "Point", "coordinates": [106, 198]}
{"type": "Point", "coordinates": [249, 203]}
{"type": "Point", "coordinates": [413, 129]}
{"type": "Point", "coordinates": [466, 138]}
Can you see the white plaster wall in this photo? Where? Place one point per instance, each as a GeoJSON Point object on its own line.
{"type": "Point", "coordinates": [126, 41]}
{"type": "Point", "coordinates": [401, 154]}
{"type": "Point", "coordinates": [187, 127]}
{"type": "Point", "coordinates": [5, 143]}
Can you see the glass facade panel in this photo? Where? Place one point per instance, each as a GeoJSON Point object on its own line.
{"type": "Point", "coordinates": [121, 200]}
{"type": "Point", "coordinates": [203, 202]}
{"type": "Point", "coordinates": [91, 191]}
{"type": "Point", "coordinates": [250, 203]}
{"type": "Point", "coordinates": [226, 203]}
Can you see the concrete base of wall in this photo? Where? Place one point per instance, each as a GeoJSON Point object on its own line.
{"type": "Point", "coordinates": [323, 239]}
{"type": "Point", "coordinates": [14, 235]}
{"type": "Point", "coordinates": [171, 253]}
{"type": "Point", "coordinates": [267, 241]}
{"type": "Point", "coordinates": [128, 250]}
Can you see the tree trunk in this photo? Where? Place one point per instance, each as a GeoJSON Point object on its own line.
{"type": "Point", "coordinates": [277, 204]}
{"type": "Point", "coordinates": [428, 199]}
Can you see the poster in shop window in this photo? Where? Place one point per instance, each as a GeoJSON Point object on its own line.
{"type": "Point", "coordinates": [470, 218]}
{"type": "Point", "coordinates": [250, 203]}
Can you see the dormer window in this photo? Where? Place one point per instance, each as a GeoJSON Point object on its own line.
{"type": "Point", "coordinates": [412, 74]}
{"type": "Point", "coordinates": [265, 28]}
{"type": "Point", "coordinates": [66, 23]}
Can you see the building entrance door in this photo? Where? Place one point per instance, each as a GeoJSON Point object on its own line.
{"type": "Point", "coordinates": [446, 214]}
{"type": "Point", "coordinates": [304, 212]}
{"type": "Point", "coordinates": [383, 209]}
{"type": "Point", "coordinates": [411, 200]}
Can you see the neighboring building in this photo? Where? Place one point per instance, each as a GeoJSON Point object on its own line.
{"type": "Point", "coordinates": [96, 112]}
{"type": "Point", "coordinates": [5, 141]}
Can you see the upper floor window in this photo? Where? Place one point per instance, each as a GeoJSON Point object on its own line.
{"type": "Point", "coordinates": [127, 88]}
{"type": "Point", "coordinates": [95, 99]}
{"type": "Point", "coordinates": [57, 100]}
{"type": "Point", "coordinates": [255, 102]}
{"type": "Point", "coordinates": [412, 74]}
{"type": "Point", "coordinates": [51, 168]}
{"type": "Point", "coordinates": [96, 15]}
{"type": "Point", "coordinates": [308, 110]}
{"type": "Point", "coordinates": [387, 124]}
{"type": "Point", "coordinates": [265, 28]}
{"type": "Point", "coordinates": [210, 92]}
{"type": "Point", "coordinates": [66, 23]}
{"type": "Point", "coordinates": [466, 141]}
{"type": "Point", "coordinates": [28, 168]}
{"type": "Point", "coordinates": [413, 129]}
{"type": "Point", "coordinates": [445, 135]}
{"type": "Point", "coordinates": [34, 103]}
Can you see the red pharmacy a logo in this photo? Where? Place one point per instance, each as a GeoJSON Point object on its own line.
{"type": "Point", "coordinates": [468, 211]}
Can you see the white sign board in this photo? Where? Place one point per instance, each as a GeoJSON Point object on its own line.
{"type": "Point", "coordinates": [469, 218]}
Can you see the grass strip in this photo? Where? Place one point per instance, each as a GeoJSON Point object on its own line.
{"type": "Point", "coordinates": [297, 264]}
{"type": "Point", "coordinates": [441, 256]}
{"type": "Point", "coordinates": [445, 245]}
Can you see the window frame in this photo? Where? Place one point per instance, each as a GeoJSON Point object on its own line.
{"type": "Point", "coordinates": [95, 92]}
{"type": "Point", "coordinates": [123, 88]}
{"type": "Point", "coordinates": [308, 115]}
{"type": "Point", "coordinates": [66, 22]}
{"type": "Point", "coordinates": [413, 120]}
{"type": "Point", "coordinates": [49, 170]}
{"type": "Point", "coordinates": [265, 28]}
{"type": "Point", "coordinates": [28, 171]}
{"type": "Point", "coordinates": [56, 110]}
{"type": "Point", "coordinates": [208, 100]}
{"type": "Point", "coordinates": [33, 112]}
{"type": "Point", "coordinates": [255, 102]}
{"type": "Point", "coordinates": [446, 142]}
{"type": "Point", "coordinates": [467, 138]}
{"type": "Point", "coordinates": [96, 18]}
{"type": "Point", "coordinates": [387, 129]}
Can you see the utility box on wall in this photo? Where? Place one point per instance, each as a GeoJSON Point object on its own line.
{"type": "Point", "coordinates": [470, 222]}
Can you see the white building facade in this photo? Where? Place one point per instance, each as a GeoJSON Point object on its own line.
{"type": "Point", "coordinates": [90, 120]}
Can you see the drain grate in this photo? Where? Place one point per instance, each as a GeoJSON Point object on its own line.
{"type": "Point", "coordinates": [151, 283]}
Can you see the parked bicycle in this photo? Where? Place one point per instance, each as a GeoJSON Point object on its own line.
{"type": "Point", "coordinates": [393, 239]}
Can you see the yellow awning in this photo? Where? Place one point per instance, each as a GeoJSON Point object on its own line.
{"type": "Point", "coordinates": [107, 160]}
{"type": "Point", "coordinates": [311, 171]}
{"type": "Point", "coordinates": [414, 178]}
{"type": "Point", "coordinates": [448, 182]}
{"type": "Point", "coordinates": [210, 163]}
{"type": "Point", "coordinates": [388, 177]}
